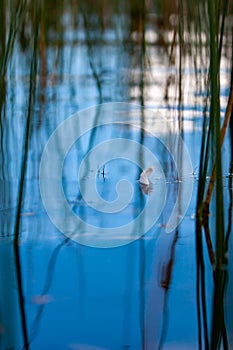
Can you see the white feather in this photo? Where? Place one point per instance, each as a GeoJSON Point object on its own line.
{"type": "Point", "coordinates": [144, 176]}
{"type": "Point", "coordinates": [149, 171]}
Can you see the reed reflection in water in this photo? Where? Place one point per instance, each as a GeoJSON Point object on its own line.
{"type": "Point", "coordinates": [159, 291]}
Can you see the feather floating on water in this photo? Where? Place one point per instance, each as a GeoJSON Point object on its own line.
{"type": "Point", "coordinates": [144, 176]}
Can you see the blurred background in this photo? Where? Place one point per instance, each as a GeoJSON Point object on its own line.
{"type": "Point", "coordinates": [161, 291]}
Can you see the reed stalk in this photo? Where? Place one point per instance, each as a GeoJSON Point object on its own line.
{"type": "Point", "coordinates": [212, 142]}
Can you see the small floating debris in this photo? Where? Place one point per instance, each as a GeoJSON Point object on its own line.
{"type": "Point", "coordinates": [146, 189]}
{"type": "Point", "coordinates": [42, 299]}
{"type": "Point", "coordinates": [30, 213]}
{"type": "Point", "coordinates": [178, 180]}
{"type": "Point", "coordinates": [162, 225]}
{"type": "Point", "coordinates": [193, 216]}
{"type": "Point", "coordinates": [145, 175]}
{"type": "Point", "coordinates": [229, 175]}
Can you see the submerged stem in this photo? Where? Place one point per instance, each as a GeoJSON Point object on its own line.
{"type": "Point", "coordinates": [222, 136]}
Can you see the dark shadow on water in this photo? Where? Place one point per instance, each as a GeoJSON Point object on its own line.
{"type": "Point", "coordinates": [165, 282]}
{"type": "Point", "coordinates": [34, 328]}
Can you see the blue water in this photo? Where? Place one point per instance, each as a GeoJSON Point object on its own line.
{"type": "Point", "coordinates": [133, 292]}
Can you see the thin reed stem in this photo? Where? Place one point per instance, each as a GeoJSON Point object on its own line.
{"type": "Point", "coordinates": [222, 136]}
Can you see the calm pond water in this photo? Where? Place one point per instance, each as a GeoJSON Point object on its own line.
{"type": "Point", "coordinates": [90, 96]}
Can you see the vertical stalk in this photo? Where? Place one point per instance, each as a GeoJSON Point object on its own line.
{"type": "Point", "coordinates": [142, 102]}
{"type": "Point", "coordinates": [181, 47]}
{"type": "Point", "coordinates": [32, 91]}
{"type": "Point", "coordinates": [218, 326]}
{"type": "Point", "coordinates": [215, 116]}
